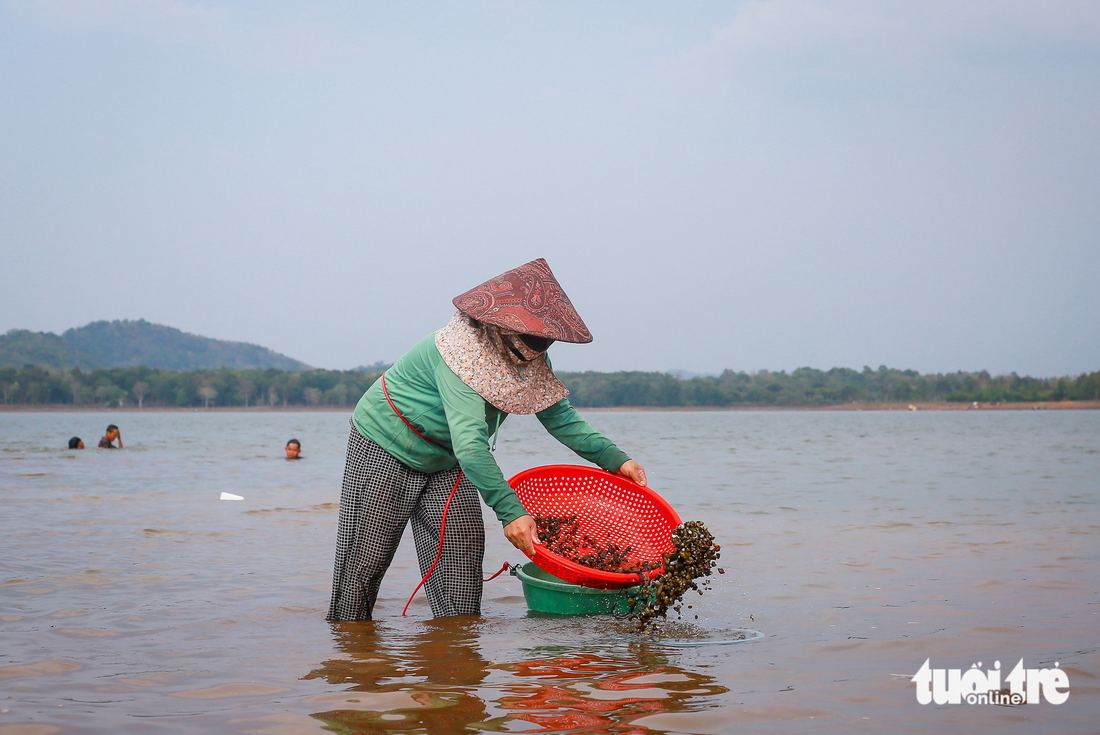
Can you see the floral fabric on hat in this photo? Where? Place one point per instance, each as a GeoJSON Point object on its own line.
{"type": "Point", "coordinates": [476, 352]}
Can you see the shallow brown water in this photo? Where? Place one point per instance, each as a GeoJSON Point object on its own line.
{"type": "Point", "coordinates": [133, 600]}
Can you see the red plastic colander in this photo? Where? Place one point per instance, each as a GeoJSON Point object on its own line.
{"type": "Point", "coordinates": [609, 509]}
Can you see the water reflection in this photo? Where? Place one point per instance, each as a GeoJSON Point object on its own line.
{"type": "Point", "coordinates": [592, 693]}
{"type": "Point", "coordinates": [435, 680]}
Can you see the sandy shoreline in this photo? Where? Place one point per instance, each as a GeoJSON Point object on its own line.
{"type": "Point", "coordinates": [930, 406]}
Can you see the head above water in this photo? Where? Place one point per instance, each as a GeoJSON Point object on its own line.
{"type": "Point", "coordinates": [293, 449]}
{"type": "Point", "coordinates": [76, 443]}
{"type": "Point", "coordinates": [527, 301]}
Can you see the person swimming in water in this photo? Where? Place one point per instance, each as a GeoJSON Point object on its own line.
{"type": "Point", "coordinates": [293, 449]}
{"type": "Point", "coordinates": [76, 443]}
{"type": "Point", "coordinates": [107, 441]}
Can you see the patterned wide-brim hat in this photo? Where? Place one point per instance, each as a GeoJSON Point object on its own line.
{"type": "Point", "coordinates": [526, 299]}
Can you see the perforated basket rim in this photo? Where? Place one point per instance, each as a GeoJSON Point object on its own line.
{"type": "Point", "coordinates": [587, 575]}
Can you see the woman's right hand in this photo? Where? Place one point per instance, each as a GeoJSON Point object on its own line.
{"type": "Point", "coordinates": [523, 533]}
{"type": "Point", "coordinates": [634, 471]}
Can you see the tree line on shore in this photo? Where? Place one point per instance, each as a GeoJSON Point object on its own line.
{"type": "Point", "coordinates": [152, 387]}
{"type": "Point", "coordinates": [145, 386]}
{"type": "Point", "coordinates": [810, 387]}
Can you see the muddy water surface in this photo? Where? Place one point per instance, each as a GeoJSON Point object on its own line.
{"type": "Point", "coordinates": [132, 599]}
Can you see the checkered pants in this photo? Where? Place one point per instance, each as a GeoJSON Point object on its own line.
{"type": "Point", "coordinates": [380, 495]}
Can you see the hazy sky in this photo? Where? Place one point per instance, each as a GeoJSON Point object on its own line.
{"type": "Point", "coordinates": [746, 185]}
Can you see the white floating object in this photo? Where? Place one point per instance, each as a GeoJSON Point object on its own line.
{"type": "Point", "coordinates": [231, 496]}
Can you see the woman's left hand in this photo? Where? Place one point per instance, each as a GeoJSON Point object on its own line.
{"type": "Point", "coordinates": [634, 471]}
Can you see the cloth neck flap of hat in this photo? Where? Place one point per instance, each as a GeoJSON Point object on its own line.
{"type": "Point", "coordinates": [476, 353]}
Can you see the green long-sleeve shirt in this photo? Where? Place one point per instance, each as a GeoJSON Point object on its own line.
{"type": "Point", "coordinates": [434, 400]}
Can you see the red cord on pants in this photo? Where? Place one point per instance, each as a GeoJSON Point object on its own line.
{"type": "Point", "coordinates": [442, 527]}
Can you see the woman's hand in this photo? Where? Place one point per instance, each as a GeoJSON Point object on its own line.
{"type": "Point", "coordinates": [634, 471]}
{"type": "Point", "coordinates": [523, 533]}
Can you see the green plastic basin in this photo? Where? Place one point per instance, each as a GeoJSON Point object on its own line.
{"type": "Point", "coordinates": [546, 593]}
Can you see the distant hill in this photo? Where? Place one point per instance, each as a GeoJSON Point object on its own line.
{"type": "Point", "coordinates": [20, 347]}
{"type": "Point", "coordinates": [129, 343]}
